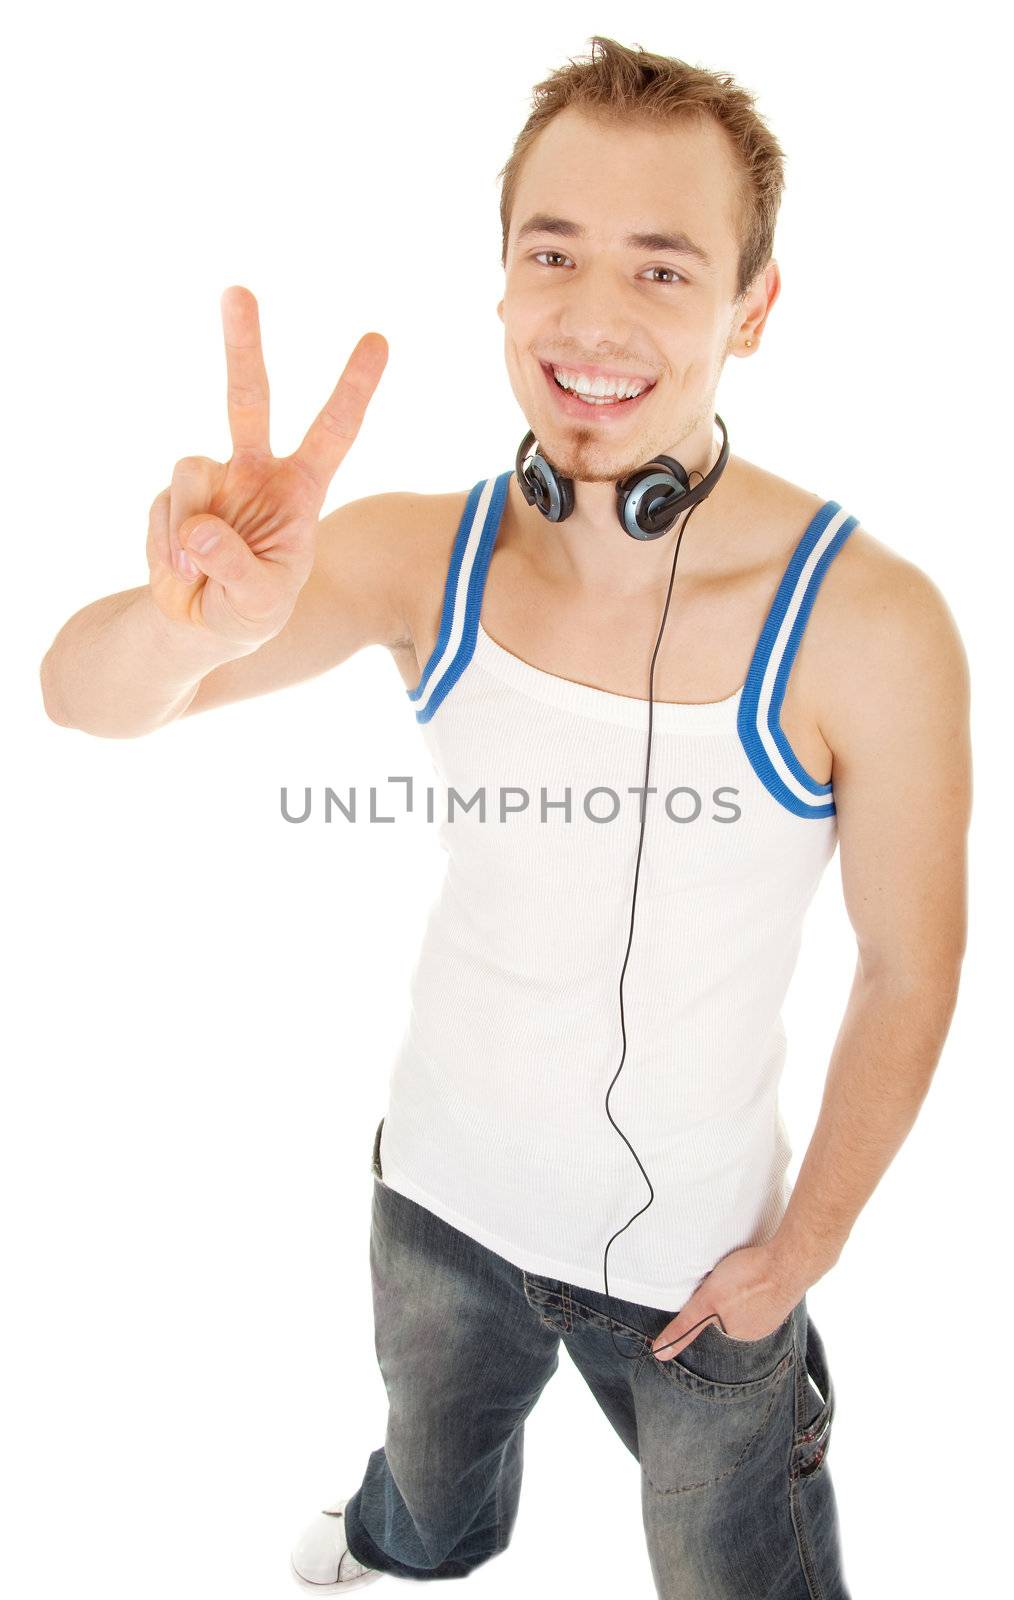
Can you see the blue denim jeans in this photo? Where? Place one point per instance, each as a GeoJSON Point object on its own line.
{"type": "Point", "coordinates": [731, 1435]}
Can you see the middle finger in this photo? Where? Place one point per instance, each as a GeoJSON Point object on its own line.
{"type": "Point", "coordinates": [247, 379]}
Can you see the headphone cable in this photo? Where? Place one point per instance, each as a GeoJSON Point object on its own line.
{"type": "Point", "coordinates": [637, 869]}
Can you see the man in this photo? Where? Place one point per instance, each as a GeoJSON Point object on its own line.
{"type": "Point", "coordinates": [638, 215]}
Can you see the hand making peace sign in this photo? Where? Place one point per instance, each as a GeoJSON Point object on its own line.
{"type": "Point", "coordinates": [261, 510]}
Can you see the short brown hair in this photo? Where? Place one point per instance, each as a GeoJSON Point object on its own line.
{"type": "Point", "coordinates": [615, 82]}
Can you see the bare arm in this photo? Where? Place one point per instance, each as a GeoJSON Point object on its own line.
{"type": "Point", "coordinates": [120, 668]}
{"type": "Point", "coordinates": [898, 724]}
{"type": "Point", "coordinates": [894, 709]}
{"type": "Point", "coordinates": [231, 547]}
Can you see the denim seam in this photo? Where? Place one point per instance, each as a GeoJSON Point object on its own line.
{"type": "Point", "coordinates": [540, 1300]}
{"type": "Point", "coordinates": [810, 1578]}
{"type": "Point", "coordinates": [818, 1428]}
{"type": "Point", "coordinates": [813, 1584]}
{"type": "Point", "coordinates": [598, 1319]}
{"type": "Point", "coordinates": [642, 1356]}
{"type": "Point", "coordinates": [568, 1309]}
{"type": "Point", "coordinates": [730, 1393]}
{"type": "Point", "coordinates": [500, 1540]}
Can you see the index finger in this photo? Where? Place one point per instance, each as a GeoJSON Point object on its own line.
{"type": "Point", "coordinates": [246, 376]}
{"type": "Point", "coordinates": [327, 440]}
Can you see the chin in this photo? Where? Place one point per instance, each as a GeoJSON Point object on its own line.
{"type": "Point", "coordinates": [591, 460]}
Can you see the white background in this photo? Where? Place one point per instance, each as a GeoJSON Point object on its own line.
{"type": "Point", "coordinates": [204, 1001]}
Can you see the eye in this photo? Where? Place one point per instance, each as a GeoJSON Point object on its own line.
{"type": "Point", "coordinates": [675, 277]}
{"type": "Point", "coordinates": [675, 274]}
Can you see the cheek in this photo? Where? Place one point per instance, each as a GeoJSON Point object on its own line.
{"type": "Point", "coordinates": [515, 359]}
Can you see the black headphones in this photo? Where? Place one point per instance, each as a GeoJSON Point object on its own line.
{"type": "Point", "coordinates": [648, 500]}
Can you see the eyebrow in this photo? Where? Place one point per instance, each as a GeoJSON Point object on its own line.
{"type": "Point", "coordinates": [678, 243]}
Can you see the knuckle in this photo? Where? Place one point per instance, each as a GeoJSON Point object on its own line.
{"type": "Point", "coordinates": [195, 467]}
{"type": "Point", "coordinates": [158, 557]}
{"type": "Point", "coordinates": [338, 424]}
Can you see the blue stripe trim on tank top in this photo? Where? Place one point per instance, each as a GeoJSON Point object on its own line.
{"type": "Point", "coordinates": [450, 588]}
{"type": "Point", "coordinates": [747, 716]}
{"type": "Point", "coordinates": [473, 594]}
{"type": "Point", "coordinates": [789, 656]}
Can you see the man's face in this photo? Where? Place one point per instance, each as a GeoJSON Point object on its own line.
{"type": "Point", "coordinates": [660, 314]}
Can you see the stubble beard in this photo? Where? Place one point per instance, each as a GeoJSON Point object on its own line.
{"type": "Point", "coordinates": [585, 457]}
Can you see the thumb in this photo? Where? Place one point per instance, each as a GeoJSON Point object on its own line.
{"type": "Point", "coordinates": [674, 1336]}
{"type": "Point", "coordinates": [664, 1345]}
{"type": "Point", "coordinates": [216, 550]}
{"type": "Point", "coordinates": [253, 589]}
{"type": "Point", "coordinates": [202, 531]}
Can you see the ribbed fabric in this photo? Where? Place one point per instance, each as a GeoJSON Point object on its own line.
{"type": "Point", "coordinates": [496, 1118]}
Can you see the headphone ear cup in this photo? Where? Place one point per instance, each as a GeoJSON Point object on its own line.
{"type": "Point", "coordinates": [551, 491]}
{"type": "Point", "coordinates": [648, 500]}
{"type": "Point", "coordinates": [566, 487]}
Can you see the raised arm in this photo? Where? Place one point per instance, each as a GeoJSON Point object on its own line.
{"type": "Point", "coordinates": [231, 546]}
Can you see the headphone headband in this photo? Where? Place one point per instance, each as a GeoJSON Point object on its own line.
{"type": "Point", "coordinates": [648, 500]}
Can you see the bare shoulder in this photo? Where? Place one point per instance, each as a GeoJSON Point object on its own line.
{"type": "Point", "coordinates": [870, 593]}
{"type": "Point", "coordinates": [880, 637]}
{"type": "Point", "coordinates": [394, 546]}
{"type": "Point", "coordinates": [431, 523]}
{"type": "Point", "coordinates": [886, 605]}
{"type": "Point", "coordinates": [886, 640]}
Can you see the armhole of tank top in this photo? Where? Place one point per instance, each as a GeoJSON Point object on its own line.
{"type": "Point", "coordinates": [463, 586]}
{"type": "Point", "coordinates": [759, 718]}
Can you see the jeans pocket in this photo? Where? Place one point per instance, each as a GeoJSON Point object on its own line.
{"type": "Point", "coordinates": [779, 1334]}
{"type": "Point", "coordinates": [728, 1401]}
{"type": "Point", "coordinates": [716, 1362]}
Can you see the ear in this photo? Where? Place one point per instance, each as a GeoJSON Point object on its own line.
{"type": "Point", "coordinates": [499, 310]}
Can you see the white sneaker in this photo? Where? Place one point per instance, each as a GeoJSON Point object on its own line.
{"type": "Point", "coordinates": [322, 1559]}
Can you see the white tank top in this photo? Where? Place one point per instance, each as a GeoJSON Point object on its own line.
{"type": "Point", "coordinates": [496, 1118]}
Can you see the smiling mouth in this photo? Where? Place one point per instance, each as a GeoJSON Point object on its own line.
{"type": "Point", "coordinates": [593, 402]}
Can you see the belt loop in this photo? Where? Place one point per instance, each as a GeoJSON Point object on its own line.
{"type": "Point", "coordinates": [377, 1169]}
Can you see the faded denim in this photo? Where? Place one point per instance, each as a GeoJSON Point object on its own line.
{"type": "Point", "coordinates": [731, 1435]}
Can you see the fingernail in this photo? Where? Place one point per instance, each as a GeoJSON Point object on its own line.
{"type": "Point", "coordinates": [186, 566]}
{"type": "Point", "coordinates": [205, 537]}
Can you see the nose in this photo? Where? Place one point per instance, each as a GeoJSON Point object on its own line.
{"type": "Point", "coordinates": [591, 315]}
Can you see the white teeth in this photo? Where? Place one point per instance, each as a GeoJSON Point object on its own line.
{"type": "Point", "coordinates": [598, 388]}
